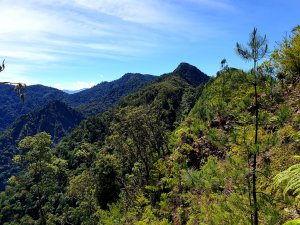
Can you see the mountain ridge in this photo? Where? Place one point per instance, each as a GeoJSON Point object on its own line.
{"type": "Point", "coordinates": [90, 101]}
{"type": "Point", "coordinates": [103, 95]}
{"type": "Point", "coordinates": [37, 95]}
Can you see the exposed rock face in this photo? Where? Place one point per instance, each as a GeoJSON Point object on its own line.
{"type": "Point", "coordinates": [222, 122]}
{"type": "Point", "coordinates": [202, 149]}
{"type": "Point", "coordinates": [199, 150]}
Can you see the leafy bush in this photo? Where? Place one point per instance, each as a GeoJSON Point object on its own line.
{"type": "Point", "coordinates": [284, 112]}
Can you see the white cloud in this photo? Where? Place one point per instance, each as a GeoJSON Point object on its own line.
{"type": "Point", "coordinates": [37, 34]}
{"type": "Point", "coordinates": [78, 85]}
{"type": "Point", "coordinates": [150, 12]}
{"type": "Point", "coordinates": [30, 22]}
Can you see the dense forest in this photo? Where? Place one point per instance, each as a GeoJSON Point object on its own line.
{"type": "Point", "coordinates": [184, 148]}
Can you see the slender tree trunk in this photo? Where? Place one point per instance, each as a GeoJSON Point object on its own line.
{"type": "Point", "coordinates": [249, 177]}
{"type": "Point", "coordinates": [255, 153]}
{"type": "Point", "coordinates": [147, 169]}
{"type": "Point", "coordinates": [249, 196]}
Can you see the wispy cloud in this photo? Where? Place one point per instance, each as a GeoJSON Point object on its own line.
{"type": "Point", "coordinates": [143, 12]}
{"type": "Point", "coordinates": [58, 31]}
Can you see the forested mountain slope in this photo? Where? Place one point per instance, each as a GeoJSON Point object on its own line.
{"type": "Point", "coordinates": [55, 118]}
{"type": "Point", "coordinates": [11, 107]}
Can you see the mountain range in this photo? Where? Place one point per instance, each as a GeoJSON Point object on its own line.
{"type": "Point", "coordinates": [88, 102]}
{"type": "Point", "coordinates": [59, 112]}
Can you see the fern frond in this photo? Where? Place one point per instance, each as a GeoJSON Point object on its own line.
{"type": "Point", "coordinates": [289, 179]}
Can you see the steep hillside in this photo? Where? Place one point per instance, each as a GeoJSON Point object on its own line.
{"type": "Point", "coordinates": [55, 118]}
{"type": "Point", "coordinates": [216, 142]}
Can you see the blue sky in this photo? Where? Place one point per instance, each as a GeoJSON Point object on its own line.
{"type": "Point", "coordinates": [74, 44]}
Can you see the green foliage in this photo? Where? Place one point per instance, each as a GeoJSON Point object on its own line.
{"type": "Point", "coordinates": [138, 139]}
{"type": "Point", "coordinates": [293, 222]}
{"type": "Point", "coordinates": [211, 104]}
{"type": "Point", "coordinates": [148, 217]}
{"type": "Point", "coordinates": [164, 96]}
{"type": "Point", "coordinates": [46, 112]}
{"type": "Point", "coordinates": [113, 216]}
{"type": "Point", "coordinates": [286, 58]}
{"type": "Point", "coordinates": [290, 179]}
{"type": "Point", "coordinates": [257, 50]}
{"type": "Point", "coordinates": [38, 188]}
{"type": "Point", "coordinates": [283, 114]}
{"type": "Point", "coordinates": [107, 185]}
{"type": "Point", "coordinates": [205, 178]}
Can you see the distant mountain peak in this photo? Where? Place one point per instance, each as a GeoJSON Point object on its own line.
{"type": "Point", "coordinates": [191, 74]}
{"type": "Point", "coordinates": [55, 118]}
{"type": "Point", "coordinates": [183, 67]}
